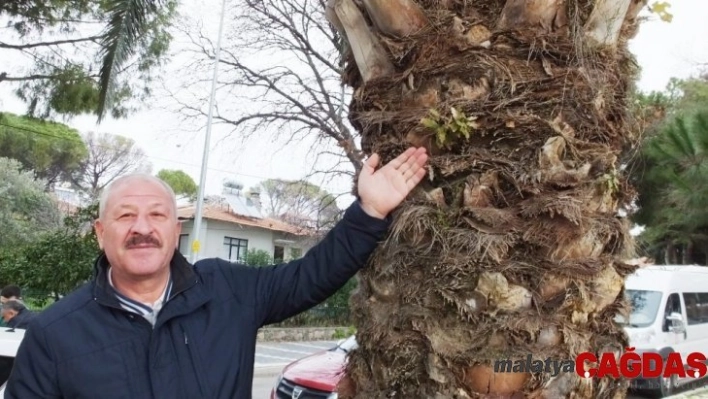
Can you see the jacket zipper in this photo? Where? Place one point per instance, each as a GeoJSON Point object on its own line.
{"type": "Point", "coordinates": [195, 363]}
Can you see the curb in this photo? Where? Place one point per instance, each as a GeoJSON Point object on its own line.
{"type": "Point", "coordinates": [271, 370]}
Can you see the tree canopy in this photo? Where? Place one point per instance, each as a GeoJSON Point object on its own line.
{"type": "Point", "coordinates": [59, 260]}
{"type": "Point", "coordinates": [51, 150]}
{"type": "Point", "coordinates": [673, 195]}
{"type": "Point", "coordinates": [669, 171]}
{"type": "Point", "coordinates": [680, 97]}
{"type": "Point", "coordinates": [181, 183]}
{"type": "Point", "coordinates": [298, 202]}
{"type": "Point", "coordinates": [109, 157]}
{"type": "Point", "coordinates": [26, 208]}
{"type": "Point", "coordinates": [85, 56]}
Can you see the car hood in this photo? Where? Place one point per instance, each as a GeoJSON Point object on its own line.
{"type": "Point", "coordinates": [322, 371]}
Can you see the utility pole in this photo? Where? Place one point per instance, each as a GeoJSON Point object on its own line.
{"type": "Point", "coordinates": [196, 243]}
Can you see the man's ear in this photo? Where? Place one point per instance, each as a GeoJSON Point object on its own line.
{"type": "Point", "coordinates": [178, 232]}
{"type": "Point", "coordinates": [99, 232]}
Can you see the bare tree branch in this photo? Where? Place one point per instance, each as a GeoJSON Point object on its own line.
{"type": "Point", "coordinates": [52, 43]}
{"type": "Point", "coordinates": [298, 202]}
{"type": "Point", "coordinates": [298, 96]}
{"type": "Point", "coordinates": [4, 77]}
{"type": "Point", "coordinates": [110, 156]}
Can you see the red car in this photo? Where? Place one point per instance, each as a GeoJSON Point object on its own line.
{"type": "Point", "coordinates": [315, 376]}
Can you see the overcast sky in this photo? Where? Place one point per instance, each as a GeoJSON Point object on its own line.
{"type": "Point", "coordinates": [664, 50]}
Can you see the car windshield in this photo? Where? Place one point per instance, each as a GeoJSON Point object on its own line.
{"type": "Point", "coordinates": [348, 345]}
{"type": "Point", "coordinates": [644, 305]}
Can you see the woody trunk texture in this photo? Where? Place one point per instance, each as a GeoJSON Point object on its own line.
{"type": "Point", "coordinates": [512, 244]}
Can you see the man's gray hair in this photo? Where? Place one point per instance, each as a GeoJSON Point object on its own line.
{"type": "Point", "coordinates": [105, 194]}
{"type": "Point", "coordinates": [12, 304]}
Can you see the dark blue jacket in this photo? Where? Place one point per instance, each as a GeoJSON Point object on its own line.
{"type": "Point", "coordinates": [203, 343]}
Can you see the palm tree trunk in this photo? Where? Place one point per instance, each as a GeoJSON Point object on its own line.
{"type": "Point", "coordinates": [512, 246]}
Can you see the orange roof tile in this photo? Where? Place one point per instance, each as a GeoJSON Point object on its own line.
{"type": "Point", "coordinates": [219, 213]}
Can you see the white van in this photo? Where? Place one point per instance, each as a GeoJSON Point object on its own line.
{"type": "Point", "coordinates": [10, 339]}
{"type": "Point", "coordinates": [669, 314]}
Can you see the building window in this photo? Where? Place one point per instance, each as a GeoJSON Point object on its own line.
{"type": "Point", "coordinates": [278, 254]}
{"type": "Point", "coordinates": [236, 249]}
{"type": "Point", "coordinates": [183, 244]}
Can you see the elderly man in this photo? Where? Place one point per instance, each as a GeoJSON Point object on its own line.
{"type": "Point", "coordinates": [150, 325]}
{"type": "Point", "coordinates": [15, 314]}
{"type": "Point", "coordinates": [9, 293]}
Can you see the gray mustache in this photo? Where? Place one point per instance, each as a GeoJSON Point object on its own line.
{"type": "Point", "coordinates": [142, 239]}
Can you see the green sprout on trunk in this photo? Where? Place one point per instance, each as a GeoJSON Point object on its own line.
{"type": "Point", "coordinates": [447, 129]}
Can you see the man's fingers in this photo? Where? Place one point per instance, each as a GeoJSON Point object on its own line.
{"type": "Point", "coordinates": [406, 166]}
{"type": "Point", "coordinates": [371, 163]}
{"type": "Point", "coordinates": [415, 168]}
{"type": "Point", "coordinates": [417, 178]}
{"type": "Point", "coordinates": [416, 160]}
{"type": "Point", "coordinates": [413, 165]}
{"type": "Point", "coordinates": [401, 159]}
{"type": "Point", "coordinates": [422, 156]}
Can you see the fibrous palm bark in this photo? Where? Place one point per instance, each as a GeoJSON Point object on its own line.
{"type": "Point", "coordinates": [513, 244]}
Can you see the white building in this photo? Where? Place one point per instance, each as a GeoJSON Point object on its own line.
{"type": "Point", "coordinates": [68, 200]}
{"type": "Point", "coordinates": [232, 226]}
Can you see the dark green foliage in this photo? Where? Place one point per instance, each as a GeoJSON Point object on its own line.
{"type": "Point", "coordinates": [76, 73]}
{"type": "Point", "coordinates": [25, 208]}
{"type": "Point", "coordinates": [258, 257]}
{"type": "Point", "coordinates": [340, 300]}
{"type": "Point", "coordinates": [322, 315]}
{"type": "Point", "coordinates": [35, 16]}
{"type": "Point", "coordinates": [128, 23]}
{"type": "Point", "coordinates": [51, 150]}
{"type": "Point", "coordinates": [669, 172]}
{"type": "Point", "coordinates": [332, 312]}
{"type": "Point", "coordinates": [181, 183]}
{"type": "Point", "coordinates": [68, 90]}
{"type": "Point", "coordinates": [673, 190]}
{"type": "Point", "coordinates": [58, 261]}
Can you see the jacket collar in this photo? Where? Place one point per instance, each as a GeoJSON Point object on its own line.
{"type": "Point", "coordinates": [182, 274]}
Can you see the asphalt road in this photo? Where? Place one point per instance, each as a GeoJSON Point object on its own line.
{"type": "Point", "coordinates": [282, 353]}
{"type": "Point", "coordinates": [263, 383]}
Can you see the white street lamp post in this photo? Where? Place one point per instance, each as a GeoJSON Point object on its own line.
{"type": "Point", "coordinates": [196, 244]}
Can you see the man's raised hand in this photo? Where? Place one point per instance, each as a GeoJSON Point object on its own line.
{"type": "Point", "coordinates": [382, 190]}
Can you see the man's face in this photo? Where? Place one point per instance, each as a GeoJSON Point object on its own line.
{"type": "Point", "coordinates": [8, 314]}
{"type": "Point", "coordinates": [139, 229]}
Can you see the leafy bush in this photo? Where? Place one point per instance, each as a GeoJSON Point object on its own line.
{"type": "Point", "coordinates": [258, 257]}
{"type": "Point", "coordinates": [57, 262]}
{"type": "Point", "coordinates": [342, 333]}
